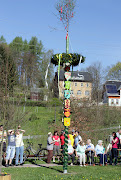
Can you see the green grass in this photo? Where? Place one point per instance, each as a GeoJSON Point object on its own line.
{"type": "Point", "coordinates": [56, 173]}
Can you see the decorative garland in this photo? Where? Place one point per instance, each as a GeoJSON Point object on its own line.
{"type": "Point", "coordinates": [73, 59]}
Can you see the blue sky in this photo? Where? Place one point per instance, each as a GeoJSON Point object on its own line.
{"type": "Point", "coordinates": [95, 30]}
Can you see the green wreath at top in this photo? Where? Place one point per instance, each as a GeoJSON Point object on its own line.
{"type": "Point", "coordinates": [73, 59]}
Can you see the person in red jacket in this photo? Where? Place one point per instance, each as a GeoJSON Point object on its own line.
{"type": "Point", "coordinates": [56, 146]}
{"type": "Point", "coordinates": [62, 137]}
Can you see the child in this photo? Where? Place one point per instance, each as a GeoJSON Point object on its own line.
{"type": "Point", "coordinates": [80, 152]}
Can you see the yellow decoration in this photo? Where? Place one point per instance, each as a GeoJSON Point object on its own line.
{"type": "Point", "coordinates": [57, 56]}
{"type": "Point", "coordinates": [66, 121]}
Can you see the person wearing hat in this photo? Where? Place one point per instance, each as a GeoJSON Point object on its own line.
{"type": "Point", "coordinates": [100, 152]}
{"type": "Point", "coordinates": [50, 143]}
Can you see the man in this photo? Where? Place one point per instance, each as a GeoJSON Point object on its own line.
{"type": "Point", "coordinates": [3, 136]}
{"type": "Point", "coordinates": [119, 136]}
{"type": "Point", "coordinates": [90, 152]}
{"type": "Point", "coordinates": [77, 139]}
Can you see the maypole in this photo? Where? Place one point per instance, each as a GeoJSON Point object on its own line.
{"type": "Point", "coordinates": [65, 9]}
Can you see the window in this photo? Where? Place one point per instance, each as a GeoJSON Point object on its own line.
{"type": "Point", "coordinates": [112, 101]}
{"type": "Point", "coordinates": [87, 85]}
{"type": "Point", "coordinates": [71, 92]}
{"type": "Point", "coordinates": [78, 92]}
{"type": "Point", "coordinates": [81, 84]}
{"type": "Point", "coordinates": [87, 93]}
{"type": "Point", "coordinates": [117, 101]}
{"type": "Point", "coordinates": [75, 84]}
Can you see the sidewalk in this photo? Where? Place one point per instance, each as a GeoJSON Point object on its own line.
{"type": "Point", "coordinates": [34, 165]}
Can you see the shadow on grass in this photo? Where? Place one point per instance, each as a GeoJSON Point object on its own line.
{"type": "Point", "coordinates": [32, 161]}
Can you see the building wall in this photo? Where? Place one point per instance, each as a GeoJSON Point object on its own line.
{"type": "Point", "coordinates": [114, 101]}
{"type": "Point", "coordinates": [78, 89]}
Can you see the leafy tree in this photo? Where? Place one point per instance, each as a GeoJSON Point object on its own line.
{"type": "Point", "coordinates": [7, 69]}
{"type": "Point", "coordinates": [114, 72]}
{"type": "Point", "coordinates": [2, 40]}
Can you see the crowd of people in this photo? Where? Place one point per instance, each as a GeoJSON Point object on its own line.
{"type": "Point", "coordinates": [84, 153]}
{"type": "Point", "coordinates": [15, 145]}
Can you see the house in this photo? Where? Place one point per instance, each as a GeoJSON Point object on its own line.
{"type": "Point", "coordinates": [81, 84]}
{"type": "Point", "coordinates": [35, 94]}
{"type": "Point", "coordinates": [112, 92]}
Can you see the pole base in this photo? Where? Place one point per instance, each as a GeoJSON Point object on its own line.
{"type": "Point", "coordinates": [65, 171]}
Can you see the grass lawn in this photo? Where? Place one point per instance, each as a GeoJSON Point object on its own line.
{"type": "Point", "coordinates": [56, 173]}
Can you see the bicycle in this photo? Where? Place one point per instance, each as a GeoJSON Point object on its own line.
{"type": "Point", "coordinates": [40, 154]}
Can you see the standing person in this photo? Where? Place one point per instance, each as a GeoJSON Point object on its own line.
{"type": "Point", "coordinates": [10, 153]}
{"type": "Point", "coordinates": [90, 151]}
{"type": "Point", "coordinates": [56, 146]}
{"type": "Point", "coordinates": [62, 140]}
{"type": "Point", "coordinates": [3, 136]}
{"type": "Point", "coordinates": [80, 152]}
{"type": "Point", "coordinates": [71, 154]}
{"type": "Point", "coordinates": [72, 137]}
{"type": "Point", "coordinates": [50, 143]}
{"type": "Point", "coordinates": [77, 139]}
{"type": "Point", "coordinates": [100, 152]}
{"type": "Point", "coordinates": [19, 145]}
{"type": "Point", "coordinates": [115, 141]}
{"type": "Point", "coordinates": [118, 134]}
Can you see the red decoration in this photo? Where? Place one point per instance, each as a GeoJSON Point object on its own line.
{"type": "Point", "coordinates": [67, 110]}
{"type": "Point", "coordinates": [67, 114]}
{"type": "Point", "coordinates": [66, 36]}
{"type": "Point", "coordinates": [61, 9]}
{"type": "Point", "coordinates": [61, 18]}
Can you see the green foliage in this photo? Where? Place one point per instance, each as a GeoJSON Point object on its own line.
{"type": "Point", "coordinates": [56, 102]}
{"type": "Point", "coordinates": [8, 75]}
{"type": "Point", "coordinates": [115, 72]}
{"type": "Point", "coordinates": [33, 117]}
{"type": "Point", "coordinates": [73, 59]}
{"type": "Point", "coordinates": [2, 40]}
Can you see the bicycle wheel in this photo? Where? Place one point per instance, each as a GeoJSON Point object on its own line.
{"type": "Point", "coordinates": [26, 153]}
{"type": "Point", "coordinates": [43, 153]}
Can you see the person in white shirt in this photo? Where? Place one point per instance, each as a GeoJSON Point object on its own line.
{"type": "Point", "coordinates": [19, 145]}
{"type": "Point", "coordinates": [90, 152]}
{"type": "Point", "coordinates": [71, 152]}
{"type": "Point", "coordinates": [100, 152]}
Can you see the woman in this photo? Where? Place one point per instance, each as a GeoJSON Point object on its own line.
{"type": "Point", "coordinates": [115, 141]}
{"type": "Point", "coordinates": [100, 152]}
{"type": "Point", "coordinates": [56, 146]}
{"type": "Point", "coordinates": [71, 154]}
{"type": "Point", "coordinates": [10, 153]}
{"type": "Point", "coordinates": [50, 143]}
{"type": "Point", "coordinates": [19, 145]}
{"type": "Point", "coordinates": [80, 152]}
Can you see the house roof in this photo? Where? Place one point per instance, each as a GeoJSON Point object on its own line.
{"type": "Point", "coordinates": [114, 82]}
{"type": "Point", "coordinates": [119, 88]}
{"type": "Point", "coordinates": [77, 76]}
